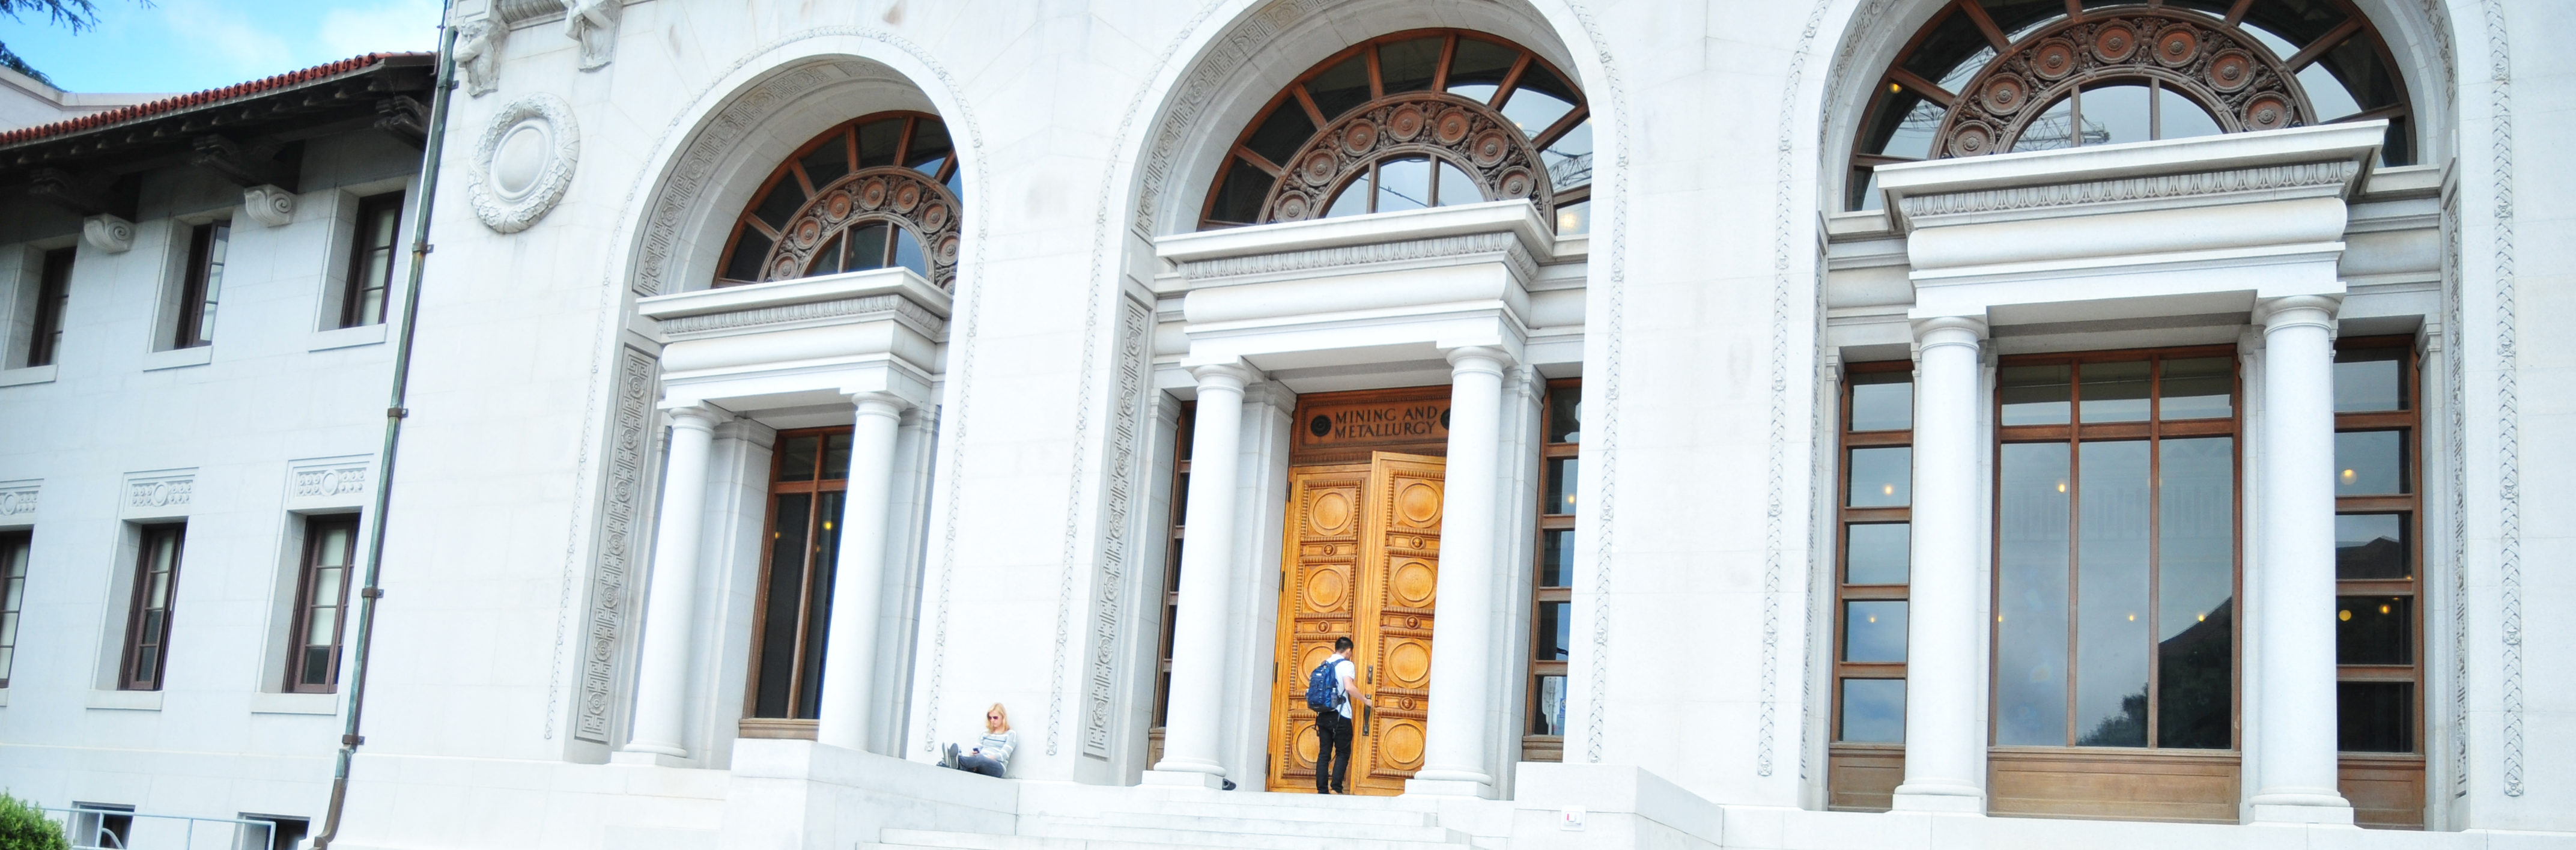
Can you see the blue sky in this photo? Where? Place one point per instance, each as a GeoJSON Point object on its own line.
{"type": "Point", "coordinates": [189, 45]}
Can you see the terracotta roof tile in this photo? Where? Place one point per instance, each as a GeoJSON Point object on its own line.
{"type": "Point", "coordinates": [208, 97]}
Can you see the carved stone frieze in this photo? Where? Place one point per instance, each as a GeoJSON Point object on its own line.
{"type": "Point", "coordinates": [159, 493]}
{"type": "Point", "coordinates": [2241, 83]}
{"type": "Point", "coordinates": [1444, 127]}
{"type": "Point", "coordinates": [18, 499]}
{"type": "Point", "coordinates": [328, 482]}
{"type": "Point", "coordinates": [863, 307]}
{"type": "Point", "coordinates": [523, 162]}
{"type": "Point", "coordinates": [887, 194]}
{"type": "Point", "coordinates": [2338, 173]}
{"type": "Point", "coordinates": [628, 449]}
{"type": "Point", "coordinates": [1226, 269]}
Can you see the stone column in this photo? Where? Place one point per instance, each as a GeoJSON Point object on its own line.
{"type": "Point", "coordinates": [2294, 731]}
{"type": "Point", "coordinates": [1944, 738]}
{"type": "Point", "coordinates": [662, 674]}
{"type": "Point", "coordinates": [1462, 650]}
{"type": "Point", "coordinates": [1192, 716]}
{"type": "Point", "coordinates": [858, 576]}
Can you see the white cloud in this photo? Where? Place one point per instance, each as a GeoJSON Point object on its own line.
{"type": "Point", "coordinates": [387, 26]}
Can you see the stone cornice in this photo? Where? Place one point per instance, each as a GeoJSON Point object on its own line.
{"type": "Point", "coordinates": [2231, 168]}
{"type": "Point", "coordinates": [895, 293]}
{"type": "Point", "coordinates": [2267, 182]}
{"type": "Point", "coordinates": [1345, 258]}
{"type": "Point", "coordinates": [861, 308]}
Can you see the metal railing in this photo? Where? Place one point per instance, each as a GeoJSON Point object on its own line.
{"type": "Point", "coordinates": [108, 829]}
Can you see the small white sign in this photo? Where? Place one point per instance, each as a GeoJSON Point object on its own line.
{"type": "Point", "coordinates": [1570, 820]}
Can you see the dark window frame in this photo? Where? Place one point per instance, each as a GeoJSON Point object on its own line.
{"type": "Point", "coordinates": [307, 573]}
{"type": "Point", "coordinates": [1170, 595]}
{"type": "Point", "coordinates": [128, 677]}
{"type": "Point", "coordinates": [53, 299]}
{"type": "Point", "coordinates": [810, 577]}
{"type": "Point", "coordinates": [201, 287]}
{"type": "Point", "coordinates": [17, 558]}
{"type": "Point", "coordinates": [2408, 419]}
{"type": "Point", "coordinates": [353, 292]}
{"type": "Point", "coordinates": [1534, 745]}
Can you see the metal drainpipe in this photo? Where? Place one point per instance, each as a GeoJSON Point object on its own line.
{"type": "Point", "coordinates": [394, 415]}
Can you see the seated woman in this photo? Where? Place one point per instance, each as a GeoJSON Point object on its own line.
{"type": "Point", "coordinates": [992, 754]}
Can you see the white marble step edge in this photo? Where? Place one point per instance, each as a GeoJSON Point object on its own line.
{"type": "Point", "coordinates": [1243, 840]}
{"type": "Point", "coordinates": [1338, 802]}
{"type": "Point", "coordinates": [1318, 814]}
{"type": "Point", "coordinates": [1047, 825]}
{"type": "Point", "coordinates": [1112, 838]}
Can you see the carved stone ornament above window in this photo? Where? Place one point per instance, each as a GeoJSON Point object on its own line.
{"type": "Point", "coordinates": [1445, 128]}
{"type": "Point", "coordinates": [524, 162]}
{"type": "Point", "coordinates": [885, 195]}
{"type": "Point", "coordinates": [876, 192]}
{"type": "Point", "coordinates": [2241, 85]}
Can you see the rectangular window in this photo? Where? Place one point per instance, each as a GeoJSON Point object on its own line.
{"type": "Point", "coordinates": [1171, 593]}
{"type": "Point", "coordinates": [321, 600]}
{"type": "Point", "coordinates": [53, 295]}
{"type": "Point", "coordinates": [2378, 623]}
{"type": "Point", "coordinates": [809, 473]}
{"type": "Point", "coordinates": [147, 623]}
{"type": "Point", "coordinates": [203, 286]}
{"type": "Point", "coordinates": [371, 260]}
{"type": "Point", "coordinates": [2116, 551]}
{"type": "Point", "coordinates": [1872, 581]}
{"type": "Point", "coordinates": [15, 549]}
{"type": "Point", "coordinates": [1552, 578]}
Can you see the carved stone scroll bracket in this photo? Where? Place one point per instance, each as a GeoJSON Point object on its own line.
{"type": "Point", "coordinates": [269, 205]}
{"type": "Point", "coordinates": [524, 162]}
{"type": "Point", "coordinates": [108, 233]}
{"type": "Point", "coordinates": [594, 24]}
{"type": "Point", "coordinates": [478, 54]}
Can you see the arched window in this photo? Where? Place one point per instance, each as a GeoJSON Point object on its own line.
{"type": "Point", "coordinates": [874, 193]}
{"type": "Point", "coordinates": [1990, 76]}
{"type": "Point", "coordinates": [1416, 119]}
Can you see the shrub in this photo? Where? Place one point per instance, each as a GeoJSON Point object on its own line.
{"type": "Point", "coordinates": [24, 827]}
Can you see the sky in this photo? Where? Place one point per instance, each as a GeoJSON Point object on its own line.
{"type": "Point", "coordinates": [190, 45]}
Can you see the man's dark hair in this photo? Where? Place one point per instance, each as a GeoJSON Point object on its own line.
{"type": "Point", "coordinates": [1341, 644]}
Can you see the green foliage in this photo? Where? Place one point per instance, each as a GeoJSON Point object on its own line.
{"type": "Point", "coordinates": [78, 15]}
{"type": "Point", "coordinates": [23, 827]}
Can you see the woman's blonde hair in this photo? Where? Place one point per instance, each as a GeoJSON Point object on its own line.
{"type": "Point", "coordinates": [996, 716]}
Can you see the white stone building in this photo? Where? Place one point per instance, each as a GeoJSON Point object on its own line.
{"type": "Point", "coordinates": [1851, 423]}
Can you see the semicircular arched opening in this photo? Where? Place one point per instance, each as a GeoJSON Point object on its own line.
{"type": "Point", "coordinates": [877, 192]}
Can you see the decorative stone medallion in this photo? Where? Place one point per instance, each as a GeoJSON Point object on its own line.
{"type": "Point", "coordinates": [523, 162]}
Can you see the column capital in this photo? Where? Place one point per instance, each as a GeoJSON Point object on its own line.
{"type": "Point", "coordinates": [2297, 311]}
{"type": "Point", "coordinates": [1232, 376]}
{"type": "Point", "coordinates": [696, 415]}
{"type": "Point", "coordinates": [1949, 330]}
{"type": "Point", "coordinates": [1478, 358]}
{"type": "Point", "coordinates": [878, 403]}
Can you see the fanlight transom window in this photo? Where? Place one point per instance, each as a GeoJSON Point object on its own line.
{"type": "Point", "coordinates": [1416, 119]}
{"type": "Point", "coordinates": [1993, 76]}
{"type": "Point", "coordinates": [878, 192]}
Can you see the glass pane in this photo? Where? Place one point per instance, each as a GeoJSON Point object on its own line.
{"type": "Point", "coordinates": [780, 602]}
{"type": "Point", "coordinates": [326, 586]}
{"type": "Point", "coordinates": [749, 251]}
{"type": "Point", "coordinates": [2198, 388]}
{"type": "Point", "coordinates": [1565, 415]}
{"type": "Point", "coordinates": [1340, 87]}
{"type": "Point", "coordinates": [2052, 130]}
{"type": "Point", "coordinates": [1403, 183]}
{"type": "Point", "coordinates": [878, 140]}
{"type": "Point", "coordinates": [1409, 65]}
{"type": "Point", "coordinates": [1569, 157]}
{"type": "Point", "coordinates": [867, 247]}
{"type": "Point", "coordinates": [1556, 558]}
{"type": "Point", "coordinates": [1562, 478]}
{"type": "Point", "coordinates": [1286, 129]}
{"type": "Point", "coordinates": [2195, 592]}
{"type": "Point", "coordinates": [1554, 632]}
{"type": "Point", "coordinates": [2179, 117]}
{"type": "Point", "coordinates": [929, 146]}
{"type": "Point", "coordinates": [1239, 198]}
{"type": "Point", "coordinates": [1903, 125]}
{"type": "Point", "coordinates": [2115, 392]}
{"type": "Point", "coordinates": [1456, 187]}
{"type": "Point", "coordinates": [2375, 717]}
{"type": "Point", "coordinates": [2327, 93]}
{"type": "Point", "coordinates": [1549, 719]}
{"type": "Point", "coordinates": [784, 199]}
{"type": "Point", "coordinates": [1478, 69]}
{"type": "Point", "coordinates": [1353, 199]}
{"type": "Point", "coordinates": [836, 456]}
{"type": "Point", "coordinates": [1874, 631]}
{"type": "Point", "coordinates": [907, 253]}
{"type": "Point", "coordinates": [826, 260]}
{"type": "Point", "coordinates": [2374, 630]}
{"type": "Point", "coordinates": [1877, 553]}
{"type": "Point", "coordinates": [321, 626]}
{"type": "Point", "coordinates": [828, 161]}
{"type": "Point", "coordinates": [1538, 101]}
{"type": "Point", "coordinates": [796, 457]}
{"type": "Point", "coordinates": [2369, 379]}
{"type": "Point", "coordinates": [2036, 395]}
{"type": "Point", "coordinates": [2370, 463]}
{"type": "Point", "coordinates": [826, 553]}
{"type": "Point", "coordinates": [157, 590]}
{"type": "Point", "coordinates": [2116, 114]}
{"type": "Point", "coordinates": [1882, 477]}
{"type": "Point", "coordinates": [8, 632]}
{"type": "Point", "coordinates": [2372, 546]}
{"type": "Point", "coordinates": [1873, 711]}
{"type": "Point", "coordinates": [2030, 603]}
{"type": "Point", "coordinates": [334, 548]}
{"type": "Point", "coordinates": [147, 664]}
{"type": "Point", "coordinates": [1882, 401]}
{"type": "Point", "coordinates": [2111, 595]}
{"type": "Point", "coordinates": [316, 666]}
{"type": "Point", "coordinates": [1574, 218]}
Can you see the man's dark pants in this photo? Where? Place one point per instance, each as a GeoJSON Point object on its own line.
{"type": "Point", "coordinates": [1332, 753]}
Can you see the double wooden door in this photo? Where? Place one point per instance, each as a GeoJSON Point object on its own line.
{"type": "Point", "coordinates": [1361, 560]}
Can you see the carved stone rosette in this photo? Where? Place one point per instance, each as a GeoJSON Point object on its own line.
{"type": "Point", "coordinates": [2239, 81]}
{"type": "Point", "coordinates": [1451, 129]}
{"type": "Point", "coordinates": [523, 162]}
{"type": "Point", "coordinates": [885, 194]}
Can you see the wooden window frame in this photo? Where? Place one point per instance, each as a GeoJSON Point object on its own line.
{"type": "Point", "coordinates": [1170, 596]}
{"type": "Point", "coordinates": [2409, 421]}
{"type": "Point", "coordinates": [1536, 747]}
{"type": "Point", "coordinates": [135, 639]}
{"type": "Point", "coordinates": [194, 301]}
{"type": "Point", "coordinates": [53, 298]}
{"type": "Point", "coordinates": [1845, 592]}
{"type": "Point", "coordinates": [353, 292]}
{"type": "Point", "coordinates": [308, 570]}
{"type": "Point", "coordinates": [791, 169]}
{"type": "Point", "coordinates": [17, 557]}
{"type": "Point", "coordinates": [2154, 430]}
{"type": "Point", "coordinates": [752, 724]}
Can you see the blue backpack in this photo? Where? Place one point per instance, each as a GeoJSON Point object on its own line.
{"type": "Point", "coordinates": [1324, 688]}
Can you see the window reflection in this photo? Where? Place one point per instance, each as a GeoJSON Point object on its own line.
{"type": "Point", "coordinates": [1877, 553]}
{"type": "Point", "coordinates": [2372, 546]}
{"type": "Point", "coordinates": [2197, 388]}
{"type": "Point", "coordinates": [1874, 631]}
{"type": "Point", "coordinates": [2195, 592]}
{"type": "Point", "coordinates": [1873, 711]}
{"type": "Point", "coordinates": [1882, 401]}
{"type": "Point", "coordinates": [2374, 630]}
{"type": "Point", "coordinates": [1549, 719]}
{"type": "Point", "coordinates": [1561, 476]}
{"type": "Point", "coordinates": [2111, 595]}
{"type": "Point", "coordinates": [2369, 379]}
{"type": "Point", "coordinates": [1882, 477]}
{"type": "Point", "coordinates": [1554, 630]}
{"type": "Point", "coordinates": [2036, 395]}
{"type": "Point", "coordinates": [2115, 392]}
{"type": "Point", "coordinates": [2370, 463]}
{"type": "Point", "coordinates": [2030, 605]}
{"type": "Point", "coordinates": [2375, 717]}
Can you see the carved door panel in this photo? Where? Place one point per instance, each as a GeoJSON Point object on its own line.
{"type": "Point", "coordinates": [1361, 559]}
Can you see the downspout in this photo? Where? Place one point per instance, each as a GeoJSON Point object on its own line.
{"type": "Point", "coordinates": [395, 412]}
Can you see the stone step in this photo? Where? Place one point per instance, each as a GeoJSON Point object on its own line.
{"type": "Point", "coordinates": [1256, 825]}
{"type": "Point", "coordinates": [1110, 835]}
{"type": "Point", "coordinates": [1284, 812]}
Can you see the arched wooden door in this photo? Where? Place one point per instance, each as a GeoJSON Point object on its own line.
{"type": "Point", "coordinates": [1362, 559]}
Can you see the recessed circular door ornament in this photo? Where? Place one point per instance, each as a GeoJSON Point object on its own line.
{"type": "Point", "coordinates": [1403, 743]}
{"type": "Point", "coordinates": [523, 162]}
{"type": "Point", "coordinates": [1408, 664]}
{"type": "Point", "coordinates": [1324, 590]}
{"type": "Point", "coordinates": [1332, 513]}
{"type": "Point", "coordinates": [1413, 584]}
{"type": "Point", "coordinates": [1420, 504]}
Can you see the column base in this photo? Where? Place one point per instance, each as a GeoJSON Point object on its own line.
{"type": "Point", "coordinates": [1932, 797]}
{"type": "Point", "coordinates": [1448, 788]}
{"type": "Point", "coordinates": [2302, 808]}
{"type": "Point", "coordinates": [1182, 779]}
{"type": "Point", "coordinates": [653, 758]}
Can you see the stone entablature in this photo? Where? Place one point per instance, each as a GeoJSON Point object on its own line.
{"type": "Point", "coordinates": [878, 330]}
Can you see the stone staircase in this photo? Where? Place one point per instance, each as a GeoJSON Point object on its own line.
{"type": "Point", "coordinates": [1159, 819]}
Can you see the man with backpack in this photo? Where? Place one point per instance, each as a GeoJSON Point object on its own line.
{"type": "Point", "coordinates": [1329, 690]}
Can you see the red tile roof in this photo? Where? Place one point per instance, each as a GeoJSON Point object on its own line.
{"type": "Point", "coordinates": [208, 97]}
